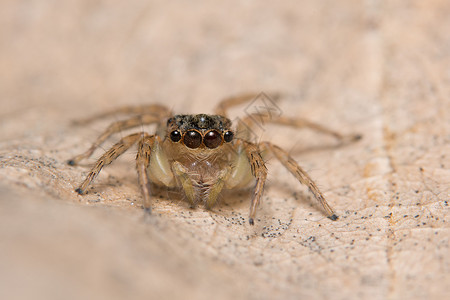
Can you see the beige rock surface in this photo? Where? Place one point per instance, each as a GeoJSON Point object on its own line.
{"type": "Point", "coordinates": [380, 68]}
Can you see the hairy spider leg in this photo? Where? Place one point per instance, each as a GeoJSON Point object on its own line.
{"type": "Point", "coordinates": [243, 124]}
{"type": "Point", "coordinates": [109, 156]}
{"type": "Point", "coordinates": [289, 163]}
{"type": "Point", "coordinates": [281, 154]}
{"type": "Point", "coordinates": [142, 164]}
{"type": "Point", "coordinates": [224, 105]}
{"type": "Point", "coordinates": [114, 128]}
{"type": "Point", "coordinates": [151, 109]}
{"type": "Point", "coordinates": [246, 122]}
{"type": "Point", "coordinates": [259, 171]}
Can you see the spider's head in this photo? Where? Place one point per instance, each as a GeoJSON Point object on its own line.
{"type": "Point", "coordinates": [199, 131]}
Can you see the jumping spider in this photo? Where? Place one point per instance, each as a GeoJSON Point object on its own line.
{"type": "Point", "coordinates": [200, 154]}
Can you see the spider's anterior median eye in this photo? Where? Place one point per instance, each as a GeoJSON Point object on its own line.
{"type": "Point", "coordinates": [228, 136]}
{"type": "Point", "coordinates": [192, 139]}
{"type": "Point", "coordinates": [175, 136]}
{"type": "Point", "coordinates": [212, 139]}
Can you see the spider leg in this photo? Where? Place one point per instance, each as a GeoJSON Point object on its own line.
{"type": "Point", "coordinates": [259, 171]}
{"type": "Point", "coordinates": [226, 104]}
{"type": "Point", "coordinates": [293, 167]}
{"type": "Point", "coordinates": [151, 109]}
{"type": "Point", "coordinates": [114, 128]}
{"type": "Point", "coordinates": [142, 163]}
{"type": "Point", "coordinates": [109, 156]}
{"type": "Point", "coordinates": [246, 122]}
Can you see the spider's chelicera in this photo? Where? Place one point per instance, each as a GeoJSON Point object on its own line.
{"type": "Point", "coordinates": [200, 154]}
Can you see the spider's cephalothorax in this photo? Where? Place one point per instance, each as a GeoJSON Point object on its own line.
{"type": "Point", "coordinates": [200, 154]}
{"type": "Point", "coordinates": [200, 131]}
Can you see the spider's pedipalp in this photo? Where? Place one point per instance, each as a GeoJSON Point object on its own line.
{"type": "Point", "coordinates": [185, 181]}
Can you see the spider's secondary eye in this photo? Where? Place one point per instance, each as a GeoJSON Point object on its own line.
{"type": "Point", "coordinates": [212, 139]}
{"type": "Point", "coordinates": [192, 139]}
{"type": "Point", "coordinates": [228, 136]}
{"type": "Point", "coordinates": [175, 136]}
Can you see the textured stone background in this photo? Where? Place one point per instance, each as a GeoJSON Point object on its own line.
{"type": "Point", "coordinates": [380, 68]}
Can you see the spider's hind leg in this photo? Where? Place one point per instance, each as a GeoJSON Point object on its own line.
{"type": "Point", "coordinates": [107, 158]}
{"type": "Point", "coordinates": [224, 105]}
{"type": "Point", "coordinates": [149, 109]}
{"type": "Point", "coordinates": [248, 122]}
{"type": "Point", "coordinates": [114, 128]}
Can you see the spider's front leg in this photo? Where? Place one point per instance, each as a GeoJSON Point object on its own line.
{"type": "Point", "coordinates": [259, 171]}
{"type": "Point", "coordinates": [293, 167]}
{"type": "Point", "coordinates": [142, 162]}
{"type": "Point", "coordinates": [152, 163]}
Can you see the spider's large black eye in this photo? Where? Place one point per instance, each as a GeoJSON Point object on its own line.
{"type": "Point", "coordinates": [212, 139]}
{"type": "Point", "coordinates": [175, 136]}
{"type": "Point", "coordinates": [192, 139]}
{"type": "Point", "coordinates": [228, 136]}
